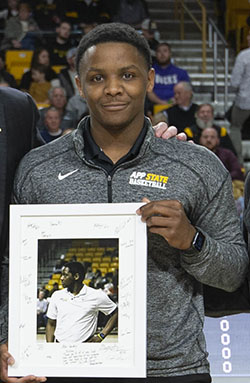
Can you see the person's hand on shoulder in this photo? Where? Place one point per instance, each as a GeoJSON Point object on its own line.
{"type": "Point", "coordinates": [6, 359]}
{"type": "Point", "coordinates": [162, 130]}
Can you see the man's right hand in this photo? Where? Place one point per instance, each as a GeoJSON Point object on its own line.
{"type": "Point", "coordinates": [7, 359]}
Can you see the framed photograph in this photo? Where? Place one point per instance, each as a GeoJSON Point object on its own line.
{"type": "Point", "coordinates": [110, 241]}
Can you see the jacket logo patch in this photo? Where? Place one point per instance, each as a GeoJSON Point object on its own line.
{"type": "Point", "coordinates": [148, 179]}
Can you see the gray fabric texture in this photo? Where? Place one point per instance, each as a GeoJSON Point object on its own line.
{"type": "Point", "coordinates": [240, 79]}
{"type": "Point", "coordinates": [175, 310]}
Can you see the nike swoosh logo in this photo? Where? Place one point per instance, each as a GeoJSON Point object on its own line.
{"type": "Point", "coordinates": [62, 176]}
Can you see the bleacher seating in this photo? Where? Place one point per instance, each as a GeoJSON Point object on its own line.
{"type": "Point", "coordinates": [18, 62]}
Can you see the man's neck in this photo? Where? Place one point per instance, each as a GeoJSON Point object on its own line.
{"type": "Point", "coordinates": [116, 142]}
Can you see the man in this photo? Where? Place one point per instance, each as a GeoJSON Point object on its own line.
{"type": "Point", "coordinates": [52, 122]}
{"type": "Point", "coordinates": [58, 99]}
{"type": "Point", "coordinates": [182, 114]}
{"type": "Point", "coordinates": [41, 308]}
{"type": "Point", "coordinates": [18, 118]}
{"type": "Point", "coordinates": [73, 311]}
{"type": "Point", "coordinates": [59, 46]}
{"type": "Point", "coordinates": [67, 75]}
{"type": "Point", "coordinates": [211, 140]}
{"type": "Point", "coordinates": [189, 242]}
{"type": "Point", "coordinates": [204, 117]}
{"type": "Point", "coordinates": [151, 34]}
{"type": "Point", "coordinates": [240, 81]}
{"type": "Point", "coordinates": [167, 75]}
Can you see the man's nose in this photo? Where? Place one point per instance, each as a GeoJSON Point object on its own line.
{"type": "Point", "coordinates": [113, 86]}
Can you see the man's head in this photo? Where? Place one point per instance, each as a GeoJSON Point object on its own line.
{"type": "Point", "coordinates": [41, 295]}
{"type": "Point", "coordinates": [63, 31]}
{"type": "Point", "coordinates": [210, 138]}
{"type": "Point", "coordinates": [148, 28]}
{"type": "Point", "coordinates": [71, 56]}
{"type": "Point", "coordinates": [205, 116]}
{"type": "Point", "coordinates": [58, 97]}
{"type": "Point", "coordinates": [52, 120]}
{"type": "Point", "coordinates": [72, 274]}
{"type": "Point", "coordinates": [183, 93]}
{"type": "Point", "coordinates": [163, 54]}
{"type": "Point", "coordinates": [113, 65]}
{"type": "Point", "coordinates": [24, 11]}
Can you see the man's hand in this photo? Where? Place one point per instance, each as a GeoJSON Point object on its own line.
{"type": "Point", "coordinates": [95, 339]}
{"type": "Point", "coordinates": [5, 360]}
{"type": "Point", "coordinates": [168, 219]}
{"type": "Point", "coordinates": [163, 131]}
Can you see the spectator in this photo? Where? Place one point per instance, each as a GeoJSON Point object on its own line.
{"type": "Point", "coordinates": [210, 138]}
{"type": "Point", "coordinates": [54, 288]}
{"type": "Point", "coordinates": [182, 114]}
{"type": "Point", "coordinates": [53, 130]}
{"type": "Point", "coordinates": [204, 117]}
{"type": "Point", "coordinates": [167, 75]}
{"type": "Point", "coordinates": [41, 309]}
{"type": "Point", "coordinates": [47, 13]}
{"type": "Point", "coordinates": [40, 56]}
{"type": "Point", "coordinates": [39, 88]}
{"type": "Point", "coordinates": [77, 106]}
{"type": "Point", "coordinates": [5, 76]}
{"type": "Point", "coordinates": [21, 31]}
{"type": "Point", "coordinates": [7, 11]}
{"type": "Point", "coordinates": [59, 46]}
{"type": "Point", "coordinates": [240, 81]}
{"type": "Point", "coordinates": [209, 250]}
{"type": "Point", "coordinates": [151, 34]}
{"type": "Point", "coordinates": [67, 75]}
{"type": "Point", "coordinates": [58, 99]}
{"type": "Point", "coordinates": [131, 12]}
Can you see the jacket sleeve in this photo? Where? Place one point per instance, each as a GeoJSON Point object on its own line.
{"type": "Point", "coordinates": [223, 260]}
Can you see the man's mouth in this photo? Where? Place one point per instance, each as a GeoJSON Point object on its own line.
{"type": "Point", "coordinates": [115, 107]}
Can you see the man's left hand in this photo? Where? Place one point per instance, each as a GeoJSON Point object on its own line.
{"type": "Point", "coordinates": [95, 339]}
{"type": "Point", "coordinates": [163, 131]}
{"type": "Point", "coordinates": [168, 219]}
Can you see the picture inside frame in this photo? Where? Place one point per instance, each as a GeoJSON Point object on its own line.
{"type": "Point", "coordinates": [100, 259]}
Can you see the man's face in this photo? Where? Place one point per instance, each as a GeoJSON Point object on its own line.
{"type": "Point", "coordinates": [114, 80]}
{"type": "Point", "coordinates": [67, 278]}
{"type": "Point", "coordinates": [209, 138]}
{"type": "Point", "coordinates": [205, 113]}
{"type": "Point", "coordinates": [182, 96]}
{"type": "Point", "coordinates": [163, 55]}
{"type": "Point", "coordinates": [58, 98]}
{"type": "Point", "coordinates": [52, 121]}
{"type": "Point", "coordinates": [64, 31]}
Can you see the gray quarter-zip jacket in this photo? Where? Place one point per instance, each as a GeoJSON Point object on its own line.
{"type": "Point", "coordinates": [59, 173]}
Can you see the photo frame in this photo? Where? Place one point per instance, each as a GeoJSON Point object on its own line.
{"type": "Point", "coordinates": [30, 224]}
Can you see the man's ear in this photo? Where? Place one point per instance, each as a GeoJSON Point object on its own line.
{"type": "Point", "coordinates": [78, 84]}
{"type": "Point", "coordinates": [76, 276]}
{"type": "Point", "coordinates": [151, 80]}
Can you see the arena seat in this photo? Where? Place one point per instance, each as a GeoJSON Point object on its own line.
{"type": "Point", "coordinates": [18, 62]}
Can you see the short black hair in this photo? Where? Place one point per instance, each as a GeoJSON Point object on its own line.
{"type": "Point", "coordinates": [113, 32]}
{"type": "Point", "coordinates": [76, 267]}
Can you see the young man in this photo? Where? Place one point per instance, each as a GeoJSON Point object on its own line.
{"type": "Point", "coordinates": [113, 156]}
{"type": "Point", "coordinates": [73, 311]}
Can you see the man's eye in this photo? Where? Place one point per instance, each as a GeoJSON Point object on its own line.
{"type": "Point", "coordinates": [128, 76]}
{"type": "Point", "coordinates": [97, 78]}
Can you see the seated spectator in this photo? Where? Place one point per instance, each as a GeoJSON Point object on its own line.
{"type": "Point", "coordinates": [77, 106]}
{"type": "Point", "coordinates": [8, 10]}
{"type": "Point", "coordinates": [47, 13]}
{"type": "Point", "coordinates": [131, 12]}
{"type": "Point", "coordinates": [41, 309]}
{"type": "Point", "coordinates": [54, 288]}
{"type": "Point", "coordinates": [67, 75]}
{"type": "Point", "coordinates": [40, 56]}
{"type": "Point", "coordinates": [52, 121]}
{"type": "Point", "coordinates": [59, 45]}
{"type": "Point", "coordinates": [151, 34]}
{"type": "Point", "coordinates": [5, 76]}
{"type": "Point", "coordinates": [210, 139]}
{"type": "Point", "coordinates": [59, 265]}
{"type": "Point", "coordinates": [204, 117]}
{"type": "Point", "coordinates": [167, 75]}
{"type": "Point", "coordinates": [39, 88]}
{"type": "Point", "coordinates": [58, 99]}
{"type": "Point", "coordinates": [182, 114]}
{"type": "Point", "coordinates": [19, 32]}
